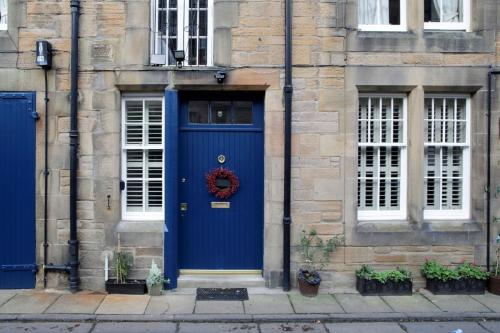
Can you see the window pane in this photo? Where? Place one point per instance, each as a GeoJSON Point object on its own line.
{"type": "Point", "coordinates": [203, 23]}
{"type": "Point", "coordinates": [193, 23]}
{"type": "Point", "coordinates": [155, 196]}
{"type": "Point", "coordinates": [220, 113]}
{"type": "Point", "coordinates": [162, 22]}
{"type": "Point", "coordinates": [202, 60]}
{"type": "Point", "coordinates": [192, 51]}
{"type": "Point", "coordinates": [203, 3]}
{"type": "Point", "coordinates": [379, 12]}
{"type": "Point", "coordinates": [243, 112]}
{"type": "Point", "coordinates": [134, 196]}
{"type": "Point", "coordinates": [443, 10]}
{"type": "Point", "coordinates": [134, 118]}
{"type": "Point", "coordinates": [3, 14]}
{"type": "Point", "coordinates": [198, 112]}
{"type": "Point", "coordinates": [134, 164]}
{"type": "Point", "coordinates": [172, 4]}
{"type": "Point", "coordinates": [172, 23]}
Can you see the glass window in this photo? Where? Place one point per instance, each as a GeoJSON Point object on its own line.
{"type": "Point", "coordinates": [182, 25]}
{"type": "Point", "coordinates": [220, 113]}
{"type": "Point", "coordinates": [3, 14]}
{"type": "Point", "coordinates": [142, 149]}
{"type": "Point", "coordinates": [382, 15]}
{"type": "Point", "coordinates": [198, 112]}
{"type": "Point", "coordinates": [446, 14]}
{"type": "Point", "coordinates": [243, 113]}
{"type": "Point", "coordinates": [382, 158]}
{"type": "Point", "coordinates": [446, 158]}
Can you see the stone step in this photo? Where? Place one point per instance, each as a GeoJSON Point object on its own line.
{"type": "Point", "coordinates": [220, 281]}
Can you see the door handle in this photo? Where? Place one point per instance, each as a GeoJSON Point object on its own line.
{"type": "Point", "coordinates": [184, 206]}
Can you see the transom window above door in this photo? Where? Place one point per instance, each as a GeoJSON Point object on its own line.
{"type": "Point", "coordinates": [182, 25]}
{"type": "Point", "coordinates": [382, 15]}
{"type": "Point", "coordinates": [446, 14]}
{"type": "Point", "coordinates": [220, 112]}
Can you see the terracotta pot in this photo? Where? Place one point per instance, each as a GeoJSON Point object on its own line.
{"type": "Point", "coordinates": [494, 285]}
{"type": "Point", "coordinates": [306, 289]}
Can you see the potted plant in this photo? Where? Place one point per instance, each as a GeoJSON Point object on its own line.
{"type": "Point", "coordinates": [122, 285]}
{"type": "Point", "coordinates": [315, 253]}
{"type": "Point", "coordinates": [465, 279]}
{"type": "Point", "coordinates": [494, 281]}
{"type": "Point", "coordinates": [385, 283]}
{"type": "Point", "coordinates": [155, 280]}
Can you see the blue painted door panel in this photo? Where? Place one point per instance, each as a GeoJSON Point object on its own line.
{"type": "Point", "coordinates": [17, 190]}
{"type": "Point", "coordinates": [214, 238]}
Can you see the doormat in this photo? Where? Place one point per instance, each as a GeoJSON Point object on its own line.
{"type": "Point", "coordinates": [221, 294]}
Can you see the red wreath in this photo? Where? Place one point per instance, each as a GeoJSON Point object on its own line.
{"type": "Point", "coordinates": [222, 173]}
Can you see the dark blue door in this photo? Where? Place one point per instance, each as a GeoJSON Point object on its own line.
{"type": "Point", "coordinates": [17, 190]}
{"type": "Point", "coordinates": [216, 233]}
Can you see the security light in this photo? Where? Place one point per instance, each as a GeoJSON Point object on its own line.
{"type": "Point", "coordinates": [179, 56]}
{"type": "Point", "coordinates": [220, 76]}
{"type": "Point", "coordinates": [43, 54]}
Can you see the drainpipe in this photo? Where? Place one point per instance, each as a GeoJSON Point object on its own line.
{"type": "Point", "coordinates": [74, 279]}
{"type": "Point", "coordinates": [46, 182]}
{"type": "Point", "coordinates": [72, 266]}
{"type": "Point", "coordinates": [288, 92]}
{"type": "Point", "coordinates": [491, 72]}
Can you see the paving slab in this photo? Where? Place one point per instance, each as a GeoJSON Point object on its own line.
{"type": "Point", "coordinates": [123, 304]}
{"type": "Point", "coordinates": [226, 307]}
{"type": "Point", "coordinates": [490, 300]}
{"type": "Point", "coordinates": [5, 297]}
{"type": "Point", "coordinates": [175, 304]}
{"type": "Point", "coordinates": [135, 328]}
{"type": "Point", "coordinates": [292, 327]}
{"type": "Point", "coordinates": [444, 327]}
{"type": "Point", "coordinates": [355, 303]}
{"type": "Point", "coordinates": [45, 327]}
{"type": "Point", "coordinates": [76, 304]}
{"type": "Point", "coordinates": [217, 328]}
{"type": "Point", "coordinates": [29, 303]}
{"type": "Point", "coordinates": [364, 327]}
{"type": "Point", "coordinates": [492, 326]}
{"type": "Point", "coordinates": [268, 304]}
{"type": "Point", "coordinates": [158, 305]}
{"type": "Point", "coordinates": [412, 304]}
{"type": "Point", "coordinates": [456, 303]}
{"type": "Point", "coordinates": [318, 304]}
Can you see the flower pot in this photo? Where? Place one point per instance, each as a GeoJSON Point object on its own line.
{"type": "Point", "coordinates": [456, 287]}
{"type": "Point", "coordinates": [307, 289]}
{"type": "Point", "coordinates": [390, 288]}
{"type": "Point", "coordinates": [131, 287]}
{"type": "Point", "coordinates": [155, 289]}
{"type": "Point", "coordinates": [494, 285]}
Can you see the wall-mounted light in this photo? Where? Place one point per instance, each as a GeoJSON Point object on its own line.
{"type": "Point", "coordinates": [43, 54]}
{"type": "Point", "coordinates": [179, 56]}
{"type": "Point", "coordinates": [220, 76]}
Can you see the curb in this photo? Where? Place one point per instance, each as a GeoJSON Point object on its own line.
{"type": "Point", "coordinates": [237, 318]}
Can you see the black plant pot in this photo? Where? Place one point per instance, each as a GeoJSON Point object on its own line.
{"type": "Point", "coordinates": [130, 287]}
{"type": "Point", "coordinates": [390, 288]}
{"type": "Point", "coordinates": [456, 287]}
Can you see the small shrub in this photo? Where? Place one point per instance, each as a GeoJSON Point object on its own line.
{"type": "Point", "coordinates": [431, 269]}
{"type": "Point", "coordinates": [395, 275]}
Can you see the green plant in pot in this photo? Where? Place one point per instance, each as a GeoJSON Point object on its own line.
{"type": "Point", "coordinates": [494, 281]}
{"type": "Point", "coordinates": [316, 254]}
{"type": "Point", "coordinates": [122, 284]}
{"type": "Point", "coordinates": [155, 280]}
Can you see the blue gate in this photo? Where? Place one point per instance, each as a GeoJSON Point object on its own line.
{"type": "Point", "coordinates": [17, 190]}
{"type": "Point", "coordinates": [214, 132]}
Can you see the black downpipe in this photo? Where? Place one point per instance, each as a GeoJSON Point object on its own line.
{"type": "Point", "coordinates": [74, 279]}
{"type": "Point", "coordinates": [488, 166]}
{"type": "Point", "coordinates": [46, 181]}
{"type": "Point", "coordinates": [288, 92]}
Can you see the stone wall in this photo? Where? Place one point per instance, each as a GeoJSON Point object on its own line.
{"type": "Point", "coordinates": [332, 63]}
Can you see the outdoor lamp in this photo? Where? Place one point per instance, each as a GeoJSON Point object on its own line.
{"type": "Point", "coordinates": [43, 54]}
{"type": "Point", "coordinates": [179, 56]}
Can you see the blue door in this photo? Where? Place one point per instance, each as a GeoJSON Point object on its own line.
{"type": "Point", "coordinates": [215, 132]}
{"type": "Point", "coordinates": [17, 190]}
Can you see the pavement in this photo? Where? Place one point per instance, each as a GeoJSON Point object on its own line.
{"type": "Point", "coordinates": [265, 311]}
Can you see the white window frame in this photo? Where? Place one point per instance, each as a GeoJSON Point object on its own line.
{"type": "Point", "coordinates": [453, 26]}
{"type": "Point", "coordinates": [388, 27]}
{"type": "Point", "coordinates": [141, 216]}
{"type": "Point", "coordinates": [401, 214]}
{"type": "Point", "coordinates": [464, 213]}
{"type": "Point", "coordinates": [182, 39]}
{"type": "Point", "coordinates": [4, 26]}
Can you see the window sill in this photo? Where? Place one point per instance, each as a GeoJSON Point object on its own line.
{"type": "Point", "coordinates": [395, 226]}
{"type": "Point", "coordinates": [451, 226]}
{"type": "Point", "coordinates": [183, 68]}
{"type": "Point", "coordinates": [154, 226]}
